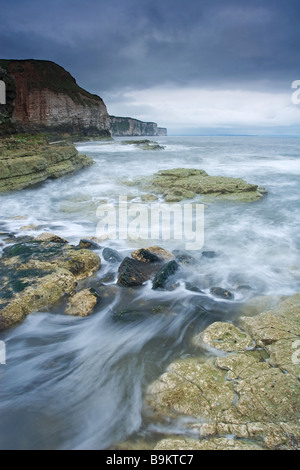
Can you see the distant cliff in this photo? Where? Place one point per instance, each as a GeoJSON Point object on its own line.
{"type": "Point", "coordinates": [125, 126]}
{"type": "Point", "coordinates": [44, 97]}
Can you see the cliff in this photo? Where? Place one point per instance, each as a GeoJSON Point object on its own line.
{"type": "Point", "coordinates": [43, 97]}
{"type": "Point", "coordinates": [6, 110]}
{"type": "Point", "coordinates": [125, 126]}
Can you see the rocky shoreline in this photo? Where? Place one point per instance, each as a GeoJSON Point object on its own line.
{"type": "Point", "coordinates": [26, 160]}
{"type": "Point", "coordinates": [178, 184]}
{"type": "Point", "coordinates": [249, 388]}
{"type": "Point", "coordinates": [241, 381]}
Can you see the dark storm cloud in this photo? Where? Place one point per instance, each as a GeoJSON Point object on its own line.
{"type": "Point", "coordinates": [129, 44]}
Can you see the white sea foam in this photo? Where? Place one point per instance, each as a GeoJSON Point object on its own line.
{"type": "Point", "coordinates": [79, 383]}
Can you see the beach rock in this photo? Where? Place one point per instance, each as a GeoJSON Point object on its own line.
{"type": "Point", "coordinates": [42, 293]}
{"type": "Point", "coordinates": [144, 144]}
{"type": "Point", "coordinates": [164, 274]}
{"type": "Point", "coordinates": [149, 198]}
{"type": "Point", "coordinates": [131, 273]}
{"type": "Point", "coordinates": [27, 161]}
{"type": "Point", "coordinates": [221, 293]}
{"type": "Point", "coordinates": [111, 256]}
{"type": "Point", "coordinates": [249, 394]}
{"type": "Point", "coordinates": [37, 274]}
{"type": "Point", "coordinates": [191, 287]}
{"type": "Point", "coordinates": [278, 331]}
{"type": "Point", "coordinates": [50, 237]}
{"type": "Point", "coordinates": [144, 265]}
{"type": "Point", "coordinates": [184, 258]}
{"type": "Point", "coordinates": [205, 444]}
{"type": "Point", "coordinates": [184, 183]}
{"type": "Point", "coordinates": [82, 303]}
{"type": "Point", "coordinates": [145, 256]}
{"type": "Point", "coordinates": [163, 255]}
{"type": "Point", "coordinates": [89, 245]}
{"type": "Point", "coordinates": [225, 337]}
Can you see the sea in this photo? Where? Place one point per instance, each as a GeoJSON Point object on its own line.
{"type": "Point", "coordinates": [80, 383]}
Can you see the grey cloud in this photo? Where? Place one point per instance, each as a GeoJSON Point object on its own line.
{"type": "Point", "coordinates": [121, 44]}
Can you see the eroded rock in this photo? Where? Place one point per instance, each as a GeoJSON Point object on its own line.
{"type": "Point", "coordinates": [36, 274]}
{"type": "Point", "coordinates": [225, 337]}
{"type": "Point", "coordinates": [82, 304]}
{"type": "Point", "coordinates": [184, 183]}
{"type": "Point", "coordinates": [250, 394]}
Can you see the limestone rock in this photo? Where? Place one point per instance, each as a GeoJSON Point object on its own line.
{"type": "Point", "coordinates": [82, 303]}
{"type": "Point", "coordinates": [250, 394]}
{"type": "Point", "coordinates": [28, 160]}
{"type": "Point", "coordinates": [43, 292]}
{"type": "Point", "coordinates": [182, 183]}
{"type": "Point", "coordinates": [205, 444]}
{"type": "Point", "coordinates": [225, 337]}
{"type": "Point", "coordinates": [38, 274]}
{"type": "Point", "coordinates": [50, 237]}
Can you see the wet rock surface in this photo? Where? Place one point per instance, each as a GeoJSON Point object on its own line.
{"type": "Point", "coordinates": [164, 274]}
{"type": "Point", "coordinates": [28, 160]}
{"type": "Point", "coordinates": [82, 303]}
{"type": "Point", "coordinates": [185, 183]}
{"type": "Point", "coordinates": [253, 395]}
{"type": "Point", "coordinates": [37, 273]}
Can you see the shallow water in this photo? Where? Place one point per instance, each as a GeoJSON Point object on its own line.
{"type": "Point", "coordinates": [79, 383]}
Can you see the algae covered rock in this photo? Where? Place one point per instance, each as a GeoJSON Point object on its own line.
{"type": "Point", "coordinates": [82, 304]}
{"type": "Point", "coordinates": [252, 395]}
{"type": "Point", "coordinates": [225, 337]}
{"type": "Point", "coordinates": [38, 273]}
{"type": "Point", "coordinates": [147, 264]}
{"type": "Point", "coordinates": [278, 331]}
{"type": "Point", "coordinates": [205, 444]}
{"type": "Point", "coordinates": [43, 292]}
{"type": "Point", "coordinates": [28, 160]}
{"type": "Point", "coordinates": [184, 183]}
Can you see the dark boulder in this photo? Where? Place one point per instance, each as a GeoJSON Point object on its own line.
{"type": "Point", "coordinates": [111, 256]}
{"type": "Point", "coordinates": [221, 293]}
{"type": "Point", "coordinates": [131, 273]}
{"type": "Point", "coordinates": [163, 276]}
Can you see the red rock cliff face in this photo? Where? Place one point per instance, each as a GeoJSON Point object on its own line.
{"type": "Point", "coordinates": [49, 99]}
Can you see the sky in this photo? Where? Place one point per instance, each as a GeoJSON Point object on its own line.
{"type": "Point", "coordinates": [193, 66]}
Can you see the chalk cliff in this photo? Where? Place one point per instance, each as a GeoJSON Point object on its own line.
{"type": "Point", "coordinates": [126, 126]}
{"type": "Point", "coordinates": [44, 97]}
